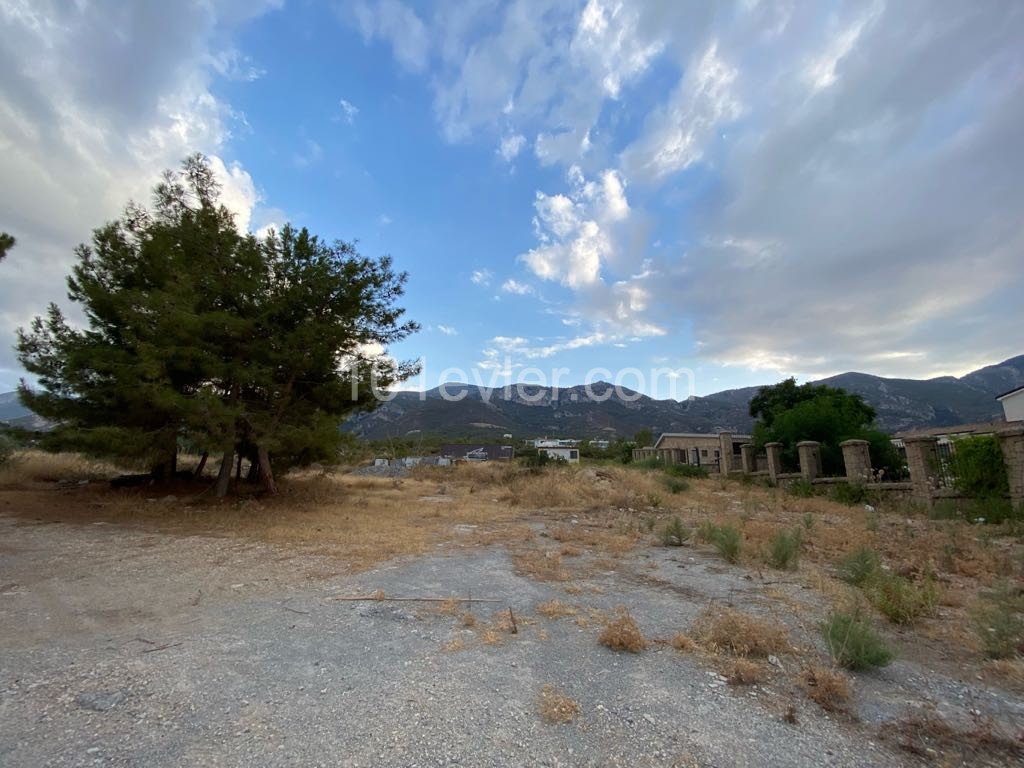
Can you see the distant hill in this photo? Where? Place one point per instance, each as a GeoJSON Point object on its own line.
{"type": "Point", "coordinates": [533, 411]}
{"type": "Point", "coordinates": [901, 404]}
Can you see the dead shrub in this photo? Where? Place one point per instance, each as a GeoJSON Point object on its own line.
{"type": "Point", "coordinates": [449, 607]}
{"type": "Point", "coordinates": [542, 565]}
{"type": "Point", "coordinates": [828, 688]}
{"type": "Point", "coordinates": [556, 609]}
{"type": "Point", "coordinates": [938, 741]}
{"type": "Point", "coordinates": [744, 672]}
{"type": "Point", "coordinates": [555, 707]}
{"type": "Point", "coordinates": [727, 630]}
{"type": "Point", "coordinates": [621, 633]}
{"type": "Point", "coordinates": [468, 619]}
{"type": "Point", "coordinates": [683, 642]}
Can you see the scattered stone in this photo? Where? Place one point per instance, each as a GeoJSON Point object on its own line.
{"type": "Point", "coordinates": [100, 701]}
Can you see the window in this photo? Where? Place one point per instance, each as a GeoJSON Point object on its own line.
{"type": "Point", "coordinates": [704, 452]}
{"type": "Point", "coordinates": [574, 454]}
{"type": "Point", "coordinates": [717, 454]}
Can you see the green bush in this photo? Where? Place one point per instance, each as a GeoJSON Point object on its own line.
{"type": "Point", "coordinates": [675, 534]}
{"type": "Point", "coordinates": [650, 463]}
{"type": "Point", "coordinates": [676, 486]}
{"type": "Point", "coordinates": [992, 510]}
{"type": "Point", "coordinates": [859, 566]}
{"type": "Point", "coordinates": [801, 488]}
{"type": "Point", "coordinates": [900, 599]}
{"type": "Point", "coordinates": [853, 643]}
{"type": "Point", "coordinates": [686, 470]}
{"type": "Point", "coordinates": [852, 494]}
{"type": "Point", "coordinates": [785, 549]}
{"type": "Point", "coordinates": [978, 468]}
{"type": "Point", "coordinates": [726, 539]}
{"type": "Point", "coordinates": [6, 449]}
{"type": "Point", "coordinates": [1000, 624]}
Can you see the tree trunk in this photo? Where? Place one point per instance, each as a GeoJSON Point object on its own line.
{"type": "Point", "coordinates": [266, 473]}
{"type": "Point", "coordinates": [224, 476]}
{"type": "Point", "coordinates": [202, 465]}
{"type": "Point", "coordinates": [238, 469]}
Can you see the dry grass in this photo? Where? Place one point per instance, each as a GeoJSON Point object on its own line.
{"type": "Point", "coordinates": [621, 633]}
{"type": "Point", "coordinates": [468, 619]}
{"type": "Point", "coordinates": [556, 609]}
{"type": "Point", "coordinates": [542, 565]}
{"type": "Point", "coordinates": [1006, 672]}
{"type": "Point", "coordinates": [827, 687]}
{"type": "Point", "coordinates": [744, 672]}
{"type": "Point", "coordinates": [727, 630]}
{"type": "Point", "coordinates": [684, 643]}
{"type": "Point", "coordinates": [940, 742]}
{"type": "Point", "coordinates": [555, 707]}
{"type": "Point", "coordinates": [453, 645]}
{"type": "Point", "coordinates": [28, 467]}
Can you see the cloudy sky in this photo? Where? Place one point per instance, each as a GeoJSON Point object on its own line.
{"type": "Point", "coordinates": [748, 190]}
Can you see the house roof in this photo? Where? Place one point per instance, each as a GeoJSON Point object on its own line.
{"type": "Point", "coordinates": [977, 428]}
{"type": "Point", "coordinates": [477, 451]}
{"type": "Point", "coordinates": [1011, 392]}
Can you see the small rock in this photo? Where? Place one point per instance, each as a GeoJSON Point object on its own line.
{"type": "Point", "coordinates": [100, 701]}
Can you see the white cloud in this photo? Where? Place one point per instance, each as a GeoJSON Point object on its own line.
{"type": "Point", "coordinates": [349, 111]}
{"type": "Point", "coordinates": [511, 146]}
{"type": "Point", "coordinates": [384, 220]}
{"type": "Point", "coordinates": [231, 64]}
{"type": "Point", "coordinates": [310, 154]}
{"type": "Point", "coordinates": [481, 277]}
{"type": "Point", "coordinates": [397, 24]}
{"type": "Point", "coordinates": [517, 288]}
{"type": "Point", "coordinates": [447, 330]}
{"type": "Point", "coordinates": [238, 192]}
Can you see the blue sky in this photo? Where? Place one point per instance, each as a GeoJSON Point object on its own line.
{"type": "Point", "coordinates": [733, 193]}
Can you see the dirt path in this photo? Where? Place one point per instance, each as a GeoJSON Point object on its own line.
{"type": "Point", "coordinates": [128, 647]}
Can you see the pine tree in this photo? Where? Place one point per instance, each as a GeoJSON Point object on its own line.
{"type": "Point", "coordinates": [200, 334]}
{"type": "Point", "coordinates": [6, 243]}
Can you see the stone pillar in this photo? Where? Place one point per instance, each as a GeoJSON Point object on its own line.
{"type": "Point", "coordinates": [748, 458]}
{"type": "Point", "coordinates": [724, 452]}
{"type": "Point", "coordinates": [922, 459]}
{"type": "Point", "coordinates": [774, 451]}
{"type": "Point", "coordinates": [857, 459]}
{"type": "Point", "coordinates": [809, 452]}
{"type": "Point", "coordinates": [1011, 440]}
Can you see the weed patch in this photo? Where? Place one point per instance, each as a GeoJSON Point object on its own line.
{"type": "Point", "coordinates": [854, 644]}
{"type": "Point", "coordinates": [675, 534]}
{"type": "Point", "coordinates": [621, 633]}
{"type": "Point", "coordinates": [555, 707]}
{"type": "Point", "coordinates": [859, 566]}
{"type": "Point", "coordinates": [828, 688]}
{"type": "Point", "coordinates": [724, 538]}
{"type": "Point", "coordinates": [727, 630]}
{"type": "Point", "coordinates": [785, 549]}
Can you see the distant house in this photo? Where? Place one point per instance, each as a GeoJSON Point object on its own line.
{"type": "Point", "coordinates": [949, 433]}
{"type": "Point", "coordinates": [548, 442]}
{"type": "Point", "coordinates": [571, 455]}
{"type": "Point", "coordinates": [700, 447]}
{"type": "Point", "coordinates": [478, 452]}
{"type": "Point", "coordinates": [1013, 404]}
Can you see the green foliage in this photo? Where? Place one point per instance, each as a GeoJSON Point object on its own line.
{"type": "Point", "coordinates": [726, 539]}
{"type": "Point", "coordinates": [644, 438]}
{"type": "Point", "coordinates": [788, 413]}
{"type": "Point", "coordinates": [784, 553]}
{"type": "Point", "coordinates": [978, 467]}
{"type": "Point", "coordinates": [6, 243]}
{"type": "Point", "coordinates": [852, 494]}
{"type": "Point", "coordinates": [196, 331]}
{"type": "Point", "coordinates": [900, 599]}
{"type": "Point", "coordinates": [541, 458]}
{"type": "Point", "coordinates": [675, 485]}
{"type": "Point", "coordinates": [992, 510]}
{"type": "Point", "coordinates": [999, 621]}
{"type": "Point", "coordinates": [675, 534]}
{"type": "Point", "coordinates": [853, 643]}
{"type": "Point", "coordinates": [686, 470]}
{"type": "Point", "coordinates": [859, 566]}
{"type": "Point", "coordinates": [7, 448]}
{"type": "Point", "coordinates": [652, 462]}
{"type": "Point", "coordinates": [803, 489]}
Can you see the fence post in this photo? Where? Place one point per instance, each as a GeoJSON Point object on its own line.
{"type": "Point", "coordinates": [774, 451]}
{"type": "Point", "coordinates": [1011, 440]}
{"type": "Point", "coordinates": [748, 458]}
{"type": "Point", "coordinates": [922, 459]}
{"type": "Point", "coordinates": [857, 459]}
{"type": "Point", "coordinates": [810, 458]}
{"type": "Point", "coordinates": [725, 452]}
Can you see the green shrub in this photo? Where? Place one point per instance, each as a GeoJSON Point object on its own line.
{"type": "Point", "coordinates": [900, 599]}
{"type": "Point", "coordinates": [853, 643]}
{"type": "Point", "coordinates": [852, 494]}
{"type": "Point", "coordinates": [686, 470]}
{"type": "Point", "coordinates": [859, 566]}
{"type": "Point", "coordinates": [944, 509]}
{"type": "Point", "coordinates": [676, 486]}
{"type": "Point", "coordinates": [1000, 624]}
{"type": "Point", "coordinates": [726, 539]}
{"type": "Point", "coordinates": [675, 534]}
{"type": "Point", "coordinates": [650, 463]}
{"type": "Point", "coordinates": [6, 449]}
{"type": "Point", "coordinates": [802, 488]}
{"type": "Point", "coordinates": [991, 509]}
{"type": "Point", "coordinates": [785, 549]}
{"type": "Point", "coordinates": [978, 468]}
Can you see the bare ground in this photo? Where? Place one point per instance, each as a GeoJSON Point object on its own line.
{"type": "Point", "coordinates": [131, 643]}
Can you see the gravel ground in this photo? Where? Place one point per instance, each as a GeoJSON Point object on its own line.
{"type": "Point", "coordinates": [126, 647]}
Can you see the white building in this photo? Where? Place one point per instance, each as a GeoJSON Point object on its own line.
{"type": "Point", "coordinates": [570, 455]}
{"type": "Point", "coordinates": [1013, 404]}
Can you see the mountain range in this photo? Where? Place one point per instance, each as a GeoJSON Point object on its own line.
{"type": "Point", "coordinates": [533, 411]}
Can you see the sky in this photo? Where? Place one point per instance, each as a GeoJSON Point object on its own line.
{"type": "Point", "coordinates": [678, 197]}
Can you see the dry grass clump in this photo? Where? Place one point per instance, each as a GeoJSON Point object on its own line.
{"type": "Point", "coordinates": [621, 633]}
{"type": "Point", "coordinates": [29, 466]}
{"type": "Point", "coordinates": [829, 688]}
{"type": "Point", "coordinates": [543, 565]}
{"type": "Point", "coordinates": [728, 630]}
{"type": "Point", "coordinates": [556, 609]}
{"type": "Point", "coordinates": [939, 742]}
{"type": "Point", "coordinates": [453, 645]}
{"type": "Point", "coordinates": [1007, 672]}
{"type": "Point", "coordinates": [744, 672]}
{"type": "Point", "coordinates": [555, 707]}
{"type": "Point", "coordinates": [449, 607]}
{"type": "Point", "coordinates": [683, 642]}
{"type": "Point", "coordinates": [468, 619]}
